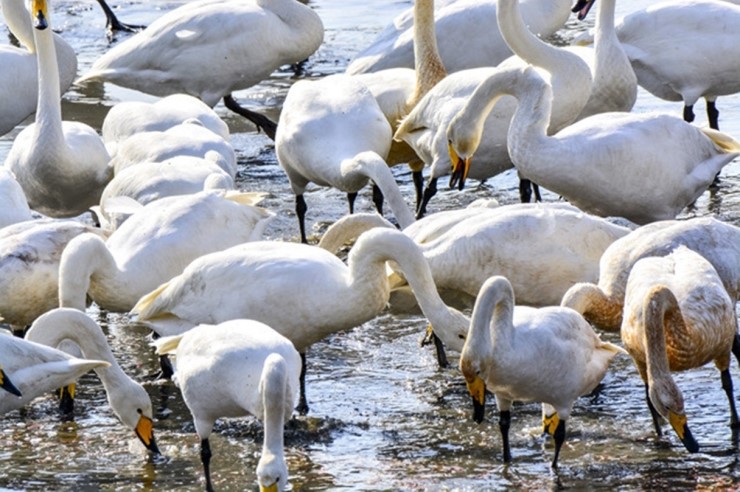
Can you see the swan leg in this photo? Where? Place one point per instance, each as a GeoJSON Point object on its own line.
{"type": "Point", "coordinates": [525, 190]}
{"type": "Point", "coordinates": [378, 199]}
{"type": "Point", "coordinates": [653, 412]}
{"type": "Point", "coordinates": [351, 197]}
{"type": "Point", "coordinates": [432, 337]}
{"type": "Point", "coordinates": [504, 423]}
{"type": "Point", "coordinates": [112, 23]}
{"type": "Point", "coordinates": [727, 386]}
{"type": "Point", "coordinates": [713, 115]}
{"type": "Point", "coordinates": [736, 347]}
{"type": "Point", "coordinates": [302, 407]}
{"type": "Point", "coordinates": [300, 211]}
{"type": "Point", "coordinates": [165, 366]}
{"type": "Point", "coordinates": [559, 436]}
{"type": "Point", "coordinates": [67, 400]}
{"type": "Point", "coordinates": [536, 189]}
{"type": "Point", "coordinates": [205, 458]}
{"type": "Point", "coordinates": [688, 113]}
{"type": "Point", "coordinates": [261, 122]}
{"type": "Point", "coordinates": [418, 178]}
{"type": "Point", "coordinates": [428, 194]}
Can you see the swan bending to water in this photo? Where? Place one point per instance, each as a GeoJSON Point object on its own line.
{"type": "Point", "coordinates": [210, 49]}
{"type": "Point", "coordinates": [643, 167]}
{"type": "Point", "coordinates": [239, 367]}
{"type": "Point", "coordinates": [549, 355]}
{"type": "Point", "coordinates": [707, 65]}
{"type": "Point", "coordinates": [677, 316]}
{"type": "Point", "coordinates": [127, 398]}
{"type": "Point", "coordinates": [37, 370]}
{"type": "Point", "coordinates": [62, 166]}
{"type": "Point", "coordinates": [340, 108]}
{"type": "Point", "coordinates": [325, 295]}
{"type": "Point", "coordinates": [154, 245]}
{"type": "Point", "coordinates": [465, 35]}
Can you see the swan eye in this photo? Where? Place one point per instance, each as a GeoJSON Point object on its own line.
{"type": "Point", "coordinates": [461, 337]}
{"type": "Point", "coordinates": [138, 410]}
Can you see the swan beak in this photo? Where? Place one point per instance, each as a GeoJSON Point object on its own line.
{"type": "Point", "coordinates": [40, 11]}
{"type": "Point", "coordinates": [145, 432]}
{"type": "Point", "coordinates": [7, 385]}
{"type": "Point", "coordinates": [583, 7]}
{"type": "Point", "coordinates": [67, 398]}
{"type": "Point", "coordinates": [269, 488]}
{"type": "Point", "coordinates": [460, 168]}
{"type": "Point", "coordinates": [477, 389]}
{"type": "Point", "coordinates": [550, 423]}
{"type": "Point", "coordinates": [680, 425]}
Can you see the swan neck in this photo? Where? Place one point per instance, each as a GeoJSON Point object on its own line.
{"type": "Point", "coordinates": [49, 106]}
{"type": "Point", "coordinates": [658, 306]}
{"type": "Point", "coordinates": [428, 63]}
{"type": "Point", "coordinates": [528, 128]}
{"type": "Point", "coordinates": [349, 228]}
{"type": "Point", "coordinates": [274, 389]}
{"type": "Point", "coordinates": [86, 259]}
{"type": "Point", "coordinates": [604, 26]}
{"type": "Point", "coordinates": [518, 37]}
{"type": "Point", "coordinates": [18, 20]}
{"type": "Point", "coordinates": [493, 314]}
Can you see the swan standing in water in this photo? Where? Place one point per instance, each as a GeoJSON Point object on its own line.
{"type": "Point", "coordinates": [37, 370]}
{"type": "Point", "coordinates": [549, 355]}
{"type": "Point", "coordinates": [707, 64]}
{"type": "Point", "coordinates": [240, 367]}
{"type": "Point", "coordinates": [643, 167]}
{"type": "Point", "coordinates": [677, 316]}
{"type": "Point", "coordinates": [210, 49]}
{"type": "Point", "coordinates": [326, 296]}
{"type": "Point", "coordinates": [19, 76]}
{"type": "Point", "coordinates": [154, 245]}
{"type": "Point", "coordinates": [127, 398]}
{"type": "Point", "coordinates": [62, 166]}
{"type": "Point", "coordinates": [339, 107]}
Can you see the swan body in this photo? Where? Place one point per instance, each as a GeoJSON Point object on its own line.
{"type": "Point", "coordinates": [677, 316]}
{"type": "Point", "coordinates": [154, 245]}
{"type": "Point", "coordinates": [29, 267]}
{"type": "Point", "coordinates": [341, 108]}
{"type": "Point", "coordinates": [465, 35]}
{"type": "Point", "coordinates": [127, 398]}
{"type": "Point", "coordinates": [549, 355]}
{"type": "Point", "coordinates": [717, 241]}
{"type": "Point", "coordinates": [19, 77]}
{"type": "Point", "coordinates": [62, 166]}
{"type": "Point", "coordinates": [708, 67]}
{"type": "Point", "coordinates": [643, 167]}
{"type": "Point", "coordinates": [13, 204]}
{"type": "Point", "coordinates": [176, 52]}
{"type": "Point", "coordinates": [211, 290]}
{"type": "Point", "coordinates": [239, 367]}
{"type": "Point", "coordinates": [36, 370]}
{"type": "Point", "coordinates": [543, 248]}
{"type": "Point", "coordinates": [128, 118]}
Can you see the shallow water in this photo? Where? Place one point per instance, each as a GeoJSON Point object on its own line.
{"type": "Point", "coordinates": [383, 415]}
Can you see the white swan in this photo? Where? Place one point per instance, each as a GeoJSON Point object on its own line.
{"type": "Point", "coordinates": [643, 167]}
{"type": "Point", "coordinates": [13, 204]}
{"type": "Point", "coordinates": [542, 248]}
{"type": "Point", "coordinates": [19, 77]}
{"type": "Point", "coordinates": [62, 166]}
{"type": "Point", "coordinates": [549, 355]}
{"type": "Point", "coordinates": [239, 367]}
{"type": "Point", "coordinates": [29, 267]}
{"type": "Point", "coordinates": [154, 245]}
{"type": "Point", "coordinates": [210, 49]}
{"type": "Point", "coordinates": [127, 398]}
{"type": "Point", "coordinates": [425, 128]}
{"type": "Point", "coordinates": [341, 109]}
{"type": "Point", "coordinates": [715, 240]}
{"type": "Point", "coordinates": [708, 66]}
{"type": "Point", "coordinates": [36, 371]}
{"type": "Point", "coordinates": [256, 280]}
{"type": "Point", "coordinates": [128, 118]}
{"type": "Point", "coordinates": [677, 316]}
{"type": "Point", "coordinates": [465, 33]}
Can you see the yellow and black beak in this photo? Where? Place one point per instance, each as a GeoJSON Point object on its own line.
{"type": "Point", "coordinates": [681, 426]}
{"type": "Point", "coordinates": [550, 423]}
{"type": "Point", "coordinates": [477, 389]}
{"type": "Point", "coordinates": [460, 168]}
{"type": "Point", "coordinates": [7, 385]}
{"type": "Point", "coordinates": [145, 432]}
{"type": "Point", "coordinates": [67, 399]}
{"type": "Point", "coordinates": [40, 11]}
{"type": "Point", "coordinates": [269, 488]}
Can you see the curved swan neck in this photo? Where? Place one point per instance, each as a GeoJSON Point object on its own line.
{"type": "Point", "coordinates": [520, 39]}
{"type": "Point", "coordinates": [528, 128]}
{"type": "Point", "coordinates": [594, 305]}
{"type": "Point", "coordinates": [49, 106]}
{"type": "Point", "coordinates": [493, 314]}
{"type": "Point", "coordinates": [374, 167]}
{"type": "Point", "coordinates": [659, 305]}
{"type": "Point", "coordinates": [428, 64]}
{"type": "Point", "coordinates": [18, 20]}
{"type": "Point", "coordinates": [349, 228]}
{"type": "Point", "coordinates": [85, 259]}
{"type": "Point", "coordinates": [302, 21]}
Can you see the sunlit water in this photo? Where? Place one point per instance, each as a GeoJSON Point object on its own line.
{"type": "Point", "coordinates": [383, 415]}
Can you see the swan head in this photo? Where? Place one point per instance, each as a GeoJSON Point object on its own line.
{"type": "Point", "coordinates": [668, 402]}
{"type": "Point", "coordinates": [272, 472]}
{"type": "Point", "coordinates": [473, 373]}
{"type": "Point", "coordinates": [133, 407]}
{"type": "Point", "coordinates": [40, 11]}
{"type": "Point", "coordinates": [461, 145]}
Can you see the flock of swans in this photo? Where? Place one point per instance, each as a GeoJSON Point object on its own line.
{"type": "Point", "coordinates": [146, 217]}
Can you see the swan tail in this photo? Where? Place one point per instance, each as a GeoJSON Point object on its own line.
{"type": "Point", "coordinates": [167, 325]}
{"type": "Point", "coordinates": [722, 140]}
{"type": "Point", "coordinates": [252, 198]}
{"type": "Point", "coordinates": [167, 345]}
{"type": "Point", "coordinates": [613, 348]}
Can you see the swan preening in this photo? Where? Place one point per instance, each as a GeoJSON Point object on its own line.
{"type": "Point", "coordinates": [239, 367]}
{"type": "Point", "coordinates": [677, 316]}
{"type": "Point", "coordinates": [643, 167]}
{"type": "Point", "coordinates": [549, 355]}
